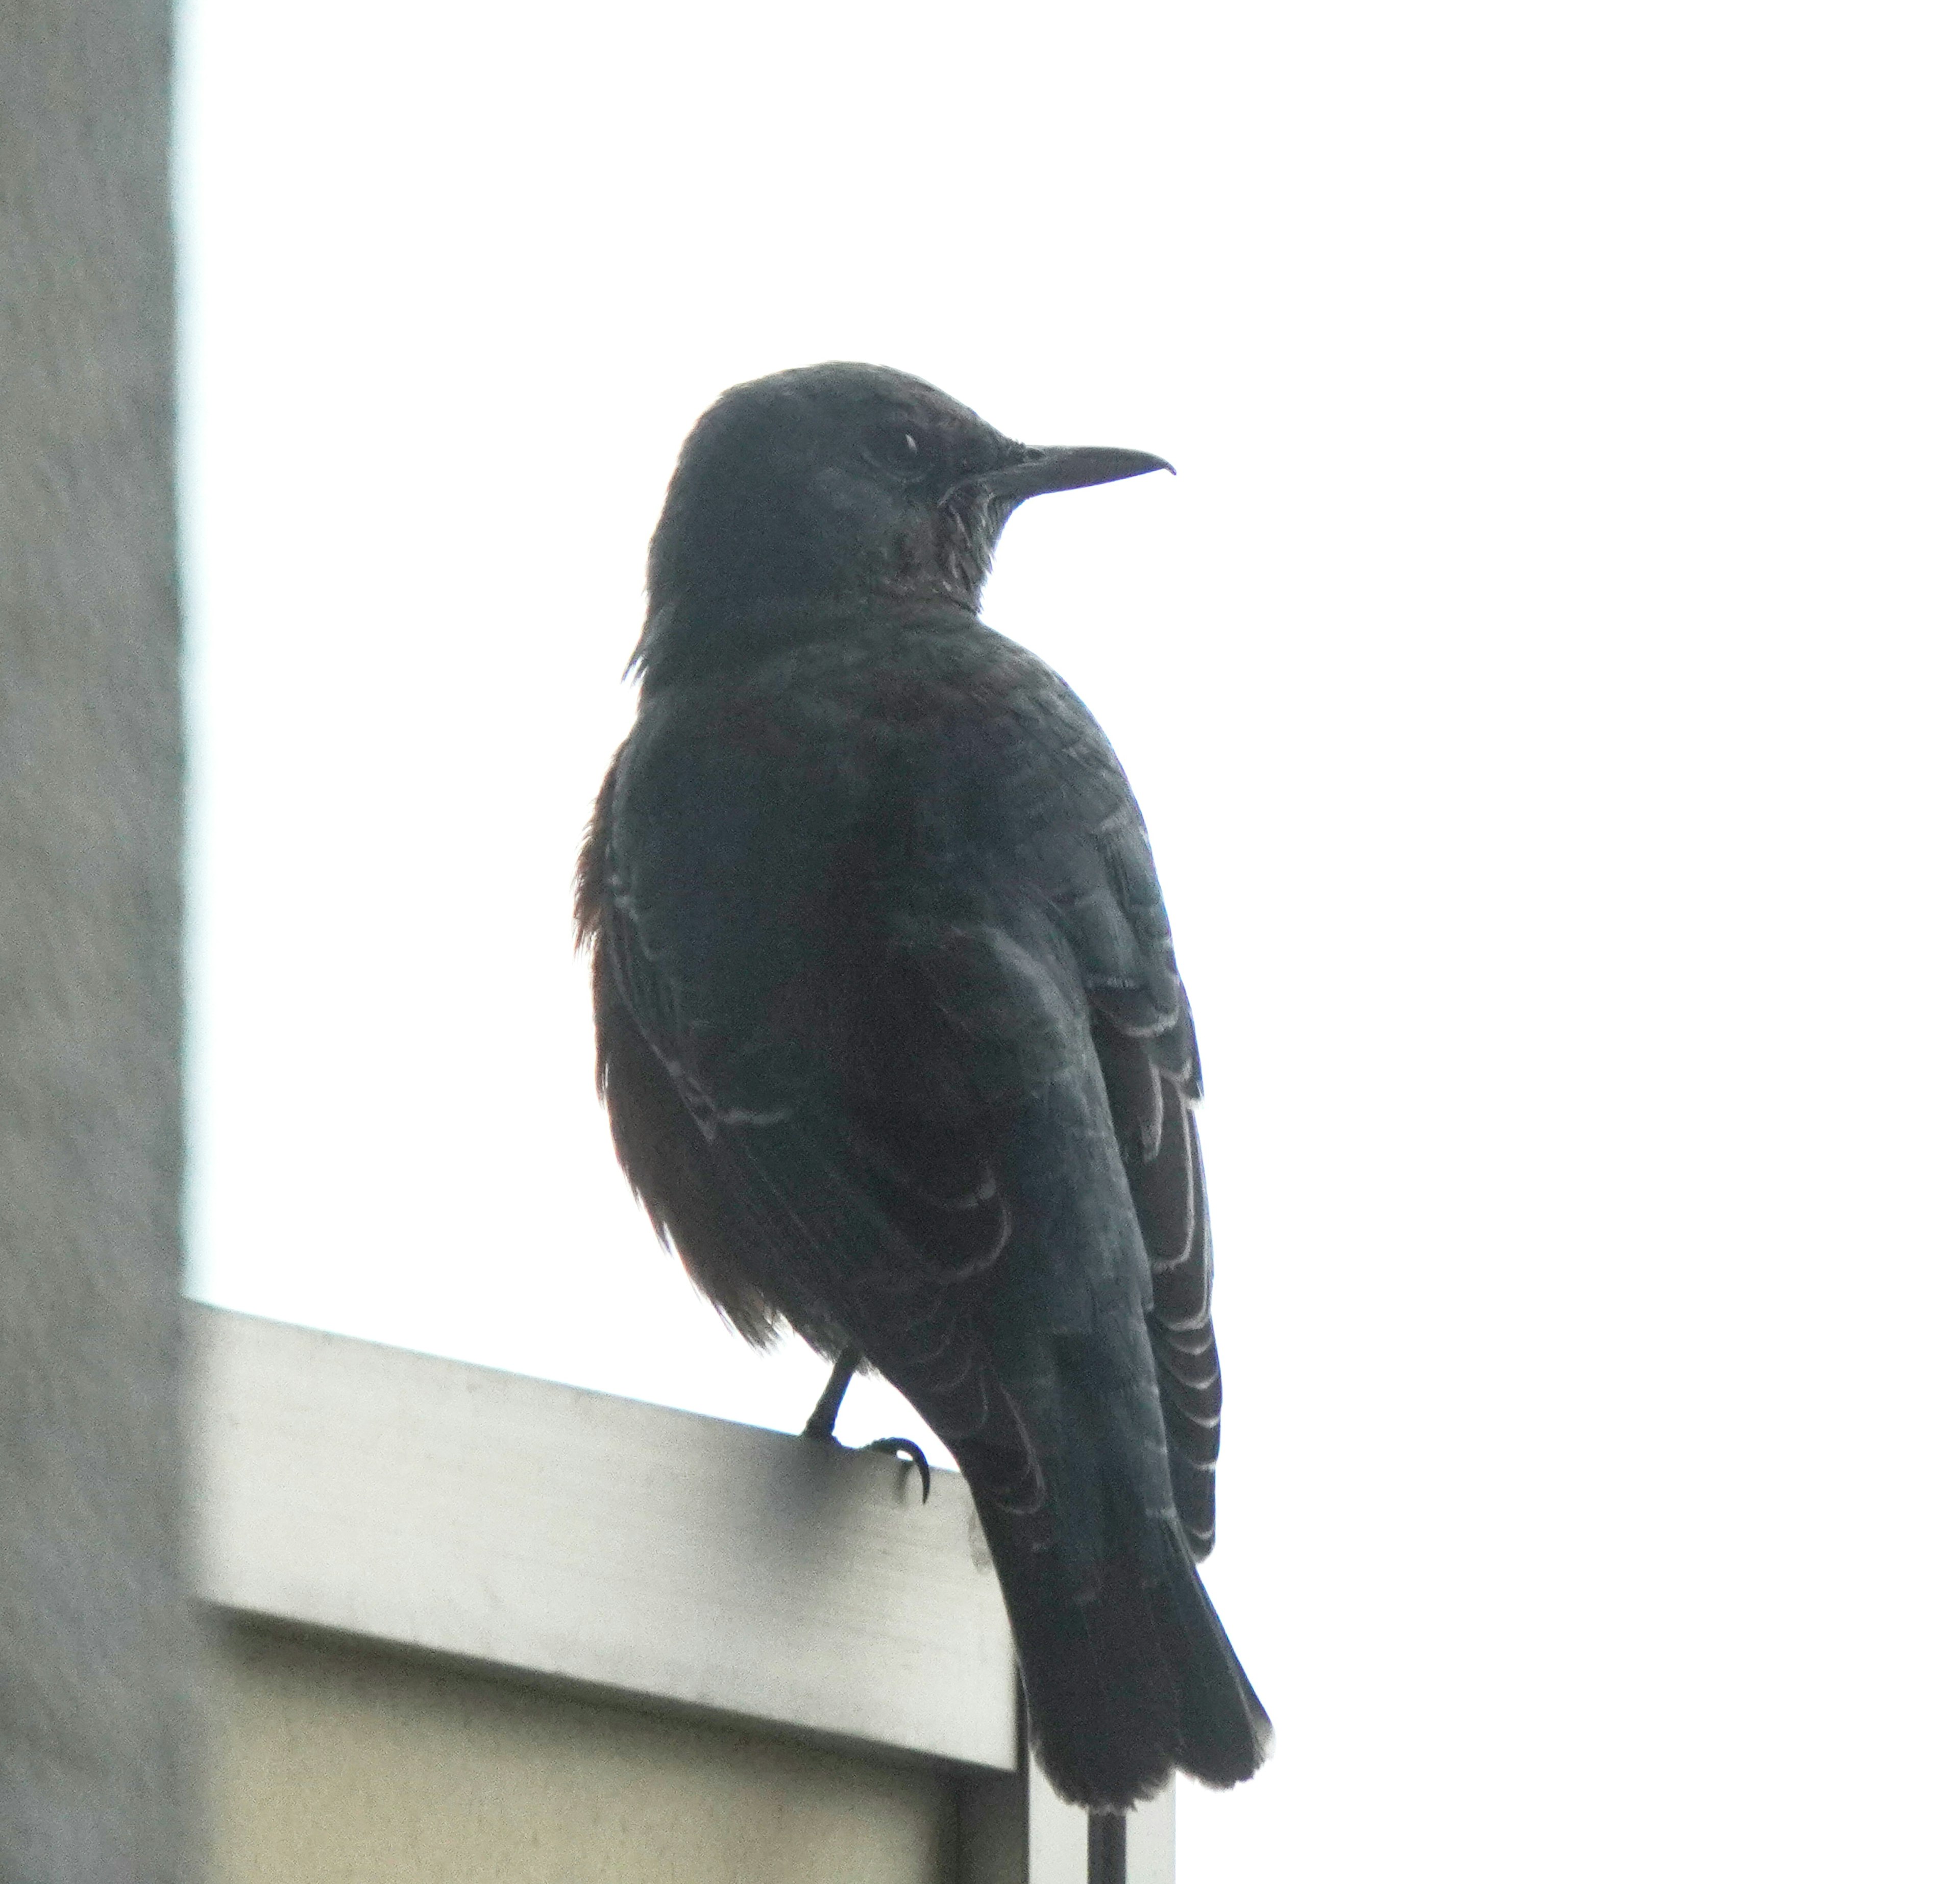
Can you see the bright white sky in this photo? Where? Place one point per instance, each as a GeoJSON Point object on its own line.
{"type": "Point", "coordinates": [1541, 681]}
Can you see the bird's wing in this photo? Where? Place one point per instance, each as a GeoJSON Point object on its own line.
{"type": "Point", "coordinates": [785, 1094]}
{"type": "Point", "coordinates": [920, 991]}
{"type": "Point", "coordinates": [1147, 1046]}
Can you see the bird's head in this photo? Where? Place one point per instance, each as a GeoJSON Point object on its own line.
{"type": "Point", "coordinates": [843, 481]}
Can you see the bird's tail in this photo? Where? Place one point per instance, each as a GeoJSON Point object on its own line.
{"type": "Point", "coordinates": [1128, 1682]}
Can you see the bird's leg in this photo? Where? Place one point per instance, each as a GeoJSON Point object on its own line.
{"type": "Point", "coordinates": [823, 1421]}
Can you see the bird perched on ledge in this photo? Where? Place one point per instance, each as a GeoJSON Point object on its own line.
{"type": "Point", "coordinates": [893, 1038]}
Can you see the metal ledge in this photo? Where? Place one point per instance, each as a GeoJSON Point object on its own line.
{"type": "Point", "coordinates": [652, 1554]}
{"type": "Point", "coordinates": [656, 1557]}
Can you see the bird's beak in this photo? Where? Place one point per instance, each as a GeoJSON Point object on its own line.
{"type": "Point", "coordinates": [1064, 467]}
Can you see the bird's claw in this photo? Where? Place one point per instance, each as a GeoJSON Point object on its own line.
{"type": "Point", "coordinates": [907, 1449]}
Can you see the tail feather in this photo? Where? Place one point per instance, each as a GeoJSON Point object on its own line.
{"type": "Point", "coordinates": [1128, 1684]}
{"type": "Point", "coordinates": [1226, 1733]}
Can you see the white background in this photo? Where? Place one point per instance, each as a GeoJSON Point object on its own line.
{"type": "Point", "coordinates": [1541, 681]}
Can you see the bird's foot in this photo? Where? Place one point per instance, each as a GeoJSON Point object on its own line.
{"type": "Point", "coordinates": [823, 1421]}
{"type": "Point", "coordinates": [907, 1449]}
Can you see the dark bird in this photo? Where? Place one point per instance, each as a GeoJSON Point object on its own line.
{"type": "Point", "coordinates": [893, 1038]}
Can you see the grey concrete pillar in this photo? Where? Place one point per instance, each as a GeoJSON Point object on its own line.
{"type": "Point", "coordinates": [95, 1631]}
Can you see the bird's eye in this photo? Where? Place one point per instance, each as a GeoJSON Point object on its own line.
{"type": "Point", "coordinates": [895, 448]}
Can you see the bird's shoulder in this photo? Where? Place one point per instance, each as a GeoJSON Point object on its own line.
{"type": "Point", "coordinates": [881, 713]}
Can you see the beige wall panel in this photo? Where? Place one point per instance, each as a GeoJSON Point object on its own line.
{"type": "Point", "coordinates": [337, 1765]}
